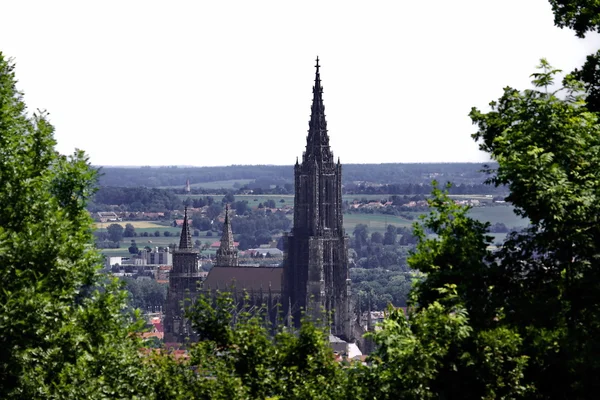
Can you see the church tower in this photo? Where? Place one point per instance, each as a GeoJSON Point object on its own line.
{"type": "Point", "coordinates": [316, 267]}
{"type": "Point", "coordinates": [227, 255]}
{"type": "Point", "coordinates": [183, 287]}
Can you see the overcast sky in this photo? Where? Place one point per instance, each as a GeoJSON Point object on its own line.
{"type": "Point", "coordinates": [230, 82]}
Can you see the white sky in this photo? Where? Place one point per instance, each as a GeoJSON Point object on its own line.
{"type": "Point", "coordinates": [230, 82]}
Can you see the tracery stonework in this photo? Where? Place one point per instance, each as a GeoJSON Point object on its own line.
{"type": "Point", "coordinates": [316, 266]}
{"type": "Point", "coordinates": [227, 255]}
{"type": "Point", "coordinates": [184, 279]}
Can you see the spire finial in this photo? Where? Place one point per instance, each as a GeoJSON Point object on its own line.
{"type": "Point", "coordinates": [185, 241]}
{"type": "Point", "coordinates": [317, 143]}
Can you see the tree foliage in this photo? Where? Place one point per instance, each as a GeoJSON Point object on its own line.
{"type": "Point", "coordinates": [115, 232]}
{"type": "Point", "coordinates": [134, 199]}
{"type": "Point", "coordinates": [145, 294]}
{"type": "Point", "coordinates": [547, 145]}
{"type": "Point", "coordinates": [237, 351]}
{"type": "Point", "coordinates": [129, 231]}
{"type": "Point", "coordinates": [589, 75]}
{"type": "Point", "coordinates": [580, 15]}
{"type": "Point", "coordinates": [484, 355]}
{"type": "Point", "coordinates": [62, 330]}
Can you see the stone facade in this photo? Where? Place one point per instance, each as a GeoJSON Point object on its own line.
{"type": "Point", "coordinates": [316, 267]}
{"type": "Point", "coordinates": [184, 279]}
{"type": "Point", "coordinates": [255, 289]}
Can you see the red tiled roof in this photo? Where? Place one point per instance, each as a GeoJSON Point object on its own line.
{"type": "Point", "coordinates": [158, 326]}
{"type": "Point", "coordinates": [179, 222]}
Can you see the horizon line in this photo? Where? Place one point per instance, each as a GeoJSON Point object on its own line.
{"type": "Point", "coordinates": [281, 165]}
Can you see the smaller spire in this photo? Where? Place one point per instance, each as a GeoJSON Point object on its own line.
{"type": "Point", "coordinates": [227, 254]}
{"type": "Point", "coordinates": [227, 238]}
{"type": "Point", "coordinates": [185, 241]}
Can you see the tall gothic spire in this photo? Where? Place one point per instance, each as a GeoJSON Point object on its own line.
{"type": "Point", "coordinates": [185, 241]}
{"type": "Point", "coordinates": [317, 143]}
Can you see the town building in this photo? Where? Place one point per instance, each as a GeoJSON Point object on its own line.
{"type": "Point", "coordinates": [156, 256]}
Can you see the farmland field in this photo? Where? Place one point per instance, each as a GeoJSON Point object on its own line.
{"type": "Point", "coordinates": [503, 214]}
{"type": "Point", "coordinates": [228, 184]}
{"type": "Point", "coordinates": [152, 241]}
{"type": "Point", "coordinates": [375, 222]}
{"type": "Point", "coordinates": [136, 224]}
{"type": "Point", "coordinates": [378, 222]}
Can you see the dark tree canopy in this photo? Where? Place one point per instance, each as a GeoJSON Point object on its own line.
{"type": "Point", "coordinates": [589, 74]}
{"type": "Point", "coordinates": [548, 148]}
{"type": "Point", "coordinates": [580, 15]}
{"type": "Point", "coordinates": [115, 232]}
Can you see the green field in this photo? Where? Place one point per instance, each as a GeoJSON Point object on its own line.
{"type": "Point", "coordinates": [503, 214]}
{"type": "Point", "coordinates": [152, 242]}
{"type": "Point", "coordinates": [375, 222]}
{"type": "Point", "coordinates": [378, 222]}
{"type": "Point", "coordinates": [136, 224]}
{"type": "Point", "coordinates": [228, 184]}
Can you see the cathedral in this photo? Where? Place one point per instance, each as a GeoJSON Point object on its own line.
{"type": "Point", "coordinates": [314, 280]}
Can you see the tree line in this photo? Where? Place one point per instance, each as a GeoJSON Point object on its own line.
{"type": "Point", "coordinates": [422, 188]}
{"type": "Point", "coordinates": [140, 198]}
{"type": "Point", "coordinates": [265, 176]}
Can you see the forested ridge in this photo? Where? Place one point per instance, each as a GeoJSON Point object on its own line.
{"type": "Point", "coordinates": [459, 173]}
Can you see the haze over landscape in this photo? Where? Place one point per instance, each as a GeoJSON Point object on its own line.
{"type": "Point", "coordinates": [206, 84]}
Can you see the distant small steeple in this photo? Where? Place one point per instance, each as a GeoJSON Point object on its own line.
{"type": "Point", "coordinates": [185, 241]}
{"type": "Point", "coordinates": [227, 254]}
